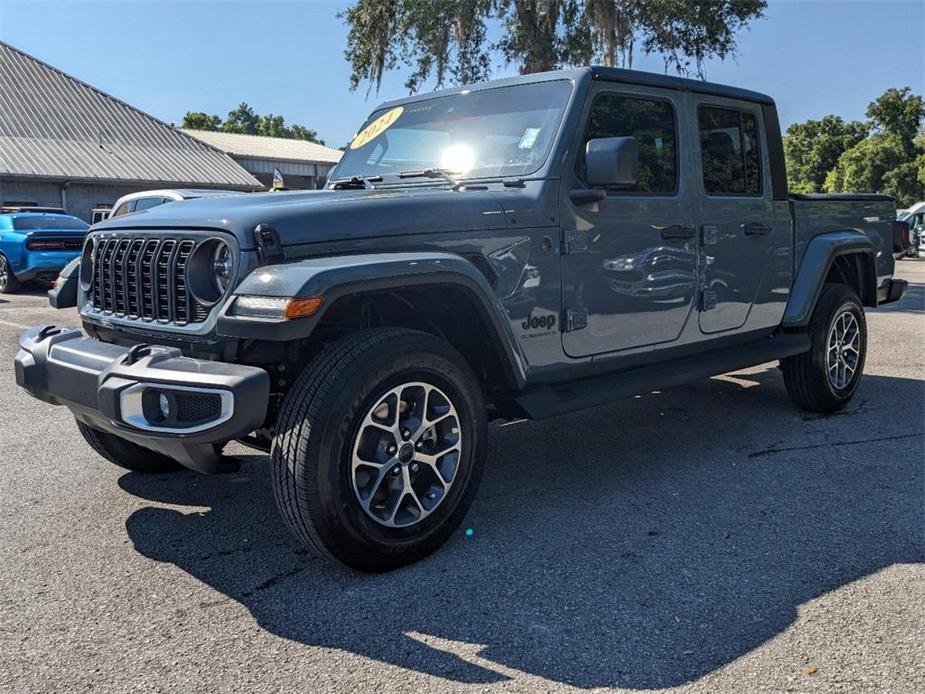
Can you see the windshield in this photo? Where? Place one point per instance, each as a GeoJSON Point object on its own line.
{"type": "Point", "coordinates": [50, 221]}
{"type": "Point", "coordinates": [501, 132]}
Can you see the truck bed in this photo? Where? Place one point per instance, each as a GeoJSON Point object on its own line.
{"type": "Point", "coordinates": [869, 213]}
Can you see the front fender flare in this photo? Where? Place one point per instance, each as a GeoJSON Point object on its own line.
{"type": "Point", "coordinates": [820, 253]}
{"type": "Point", "coordinates": [338, 276]}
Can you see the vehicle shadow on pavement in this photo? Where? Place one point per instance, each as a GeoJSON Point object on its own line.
{"type": "Point", "coordinates": [642, 544]}
{"type": "Point", "coordinates": [28, 290]}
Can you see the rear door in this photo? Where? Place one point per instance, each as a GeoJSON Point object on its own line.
{"type": "Point", "coordinates": [736, 212]}
{"type": "Point", "coordinates": [629, 260]}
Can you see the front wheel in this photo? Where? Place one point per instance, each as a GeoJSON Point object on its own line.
{"type": "Point", "coordinates": [379, 448]}
{"type": "Point", "coordinates": [826, 377]}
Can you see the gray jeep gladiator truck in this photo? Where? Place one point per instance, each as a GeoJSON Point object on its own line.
{"type": "Point", "coordinates": [515, 249]}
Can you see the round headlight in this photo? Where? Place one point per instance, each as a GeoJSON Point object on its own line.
{"type": "Point", "coordinates": [222, 266]}
{"type": "Point", "coordinates": [210, 270]}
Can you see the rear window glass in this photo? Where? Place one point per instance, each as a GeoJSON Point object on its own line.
{"type": "Point", "coordinates": [48, 222]}
{"type": "Point", "coordinates": [729, 152]}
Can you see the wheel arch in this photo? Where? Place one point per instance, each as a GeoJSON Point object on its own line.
{"type": "Point", "coordinates": [843, 257]}
{"type": "Point", "coordinates": [441, 293]}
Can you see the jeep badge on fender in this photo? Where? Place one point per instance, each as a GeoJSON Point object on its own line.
{"type": "Point", "coordinates": [534, 322]}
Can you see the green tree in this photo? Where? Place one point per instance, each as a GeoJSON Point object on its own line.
{"type": "Point", "coordinates": [898, 112]}
{"type": "Point", "coordinates": [447, 40]}
{"type": "Point", "coordinates": [197, 120]}
{"type": "Point", "coordinates": [892, 159]}
{"type": "Point", "coordinates": [812, 150]}
{"type": "Point", "coordinates": [300, 132]}
{"type": "Point", "coordinates": [243, 120]}
{"type": "Point", "coordinates": [273, 126]}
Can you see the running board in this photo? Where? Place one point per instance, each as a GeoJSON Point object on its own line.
{"type": "Point", "coordinates": [549, 400]}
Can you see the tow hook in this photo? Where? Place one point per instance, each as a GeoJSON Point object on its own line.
{"type": "Point", "coordinates": [135, 353]}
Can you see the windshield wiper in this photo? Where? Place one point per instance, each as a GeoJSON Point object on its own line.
{"type": "Point", "coordinates": [433, 173]}
{"type": "Point", "coordinates": [364, 182]}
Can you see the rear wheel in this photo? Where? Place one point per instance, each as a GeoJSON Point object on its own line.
{"type": "Point", "coordinates": [8, 281]}
{"type": "Point", "coordinates": [125, 453]}
{"type": "Point", "coordinates": [379, 448]}
{"type": "Point", "coordinates": [826, 377]}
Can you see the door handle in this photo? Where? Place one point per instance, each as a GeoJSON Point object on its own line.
{"type": "Point", "coordinates": [756, 228]}
{"type": "Point", "coordinates": [677, 232]}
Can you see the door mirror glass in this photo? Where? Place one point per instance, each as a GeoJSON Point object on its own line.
{"type": "Point", "coordinates": [612, 162]}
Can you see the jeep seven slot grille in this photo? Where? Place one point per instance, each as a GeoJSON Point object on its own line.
{"type": "Point", "coordinates": [145, 278]}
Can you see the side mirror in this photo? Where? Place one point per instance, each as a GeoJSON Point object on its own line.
{"type": "Point", "coordinates": [612, 162]}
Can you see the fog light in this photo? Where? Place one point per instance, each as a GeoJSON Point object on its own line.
{"type": "Point", "coordinates": [164, 403]}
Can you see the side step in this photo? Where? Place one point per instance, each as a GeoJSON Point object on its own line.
{"type": "Point", "coordinates": [549, 400]}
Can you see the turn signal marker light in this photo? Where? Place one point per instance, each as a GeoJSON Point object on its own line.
{"type": "Point", "coordinates": [302, 307]}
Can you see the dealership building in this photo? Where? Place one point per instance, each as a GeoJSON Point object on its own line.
{"type": "Point", "coordinates": [303, 164]}
{"type": "Point", "coordinates": [64, 143]}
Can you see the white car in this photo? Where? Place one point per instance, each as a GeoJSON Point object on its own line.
{"type": "Point", "coordinates": [915, 218]}
{"type": "Point", "coordinates": [136, 202]}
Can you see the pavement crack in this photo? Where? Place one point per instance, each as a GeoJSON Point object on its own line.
{"type": "Point", "coordinates": [275, 579]}
{"type": "Point", "coordinates": [773, 451]}
{"type": "Point", "coordinates": [843, 413]}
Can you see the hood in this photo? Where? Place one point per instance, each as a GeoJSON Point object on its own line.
{"type": "Point", "coordinates": [326, 215]}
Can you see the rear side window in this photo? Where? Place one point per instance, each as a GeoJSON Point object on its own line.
{"type": "Point", "coordinates": [124, 208]}
{"type": "Point", "coordinates": [652, 123]}
{"type": "Point", "coordinates": [729, 152]}
{"type": "Point", "coordinates": [148, 203]}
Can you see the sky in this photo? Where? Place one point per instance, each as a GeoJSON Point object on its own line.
{"type": "Point", "coordinates": [287, 57]}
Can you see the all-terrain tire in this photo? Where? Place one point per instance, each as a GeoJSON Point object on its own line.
{"type": "Point", "coordinates": [126, 454]}
{"type": "Point", "coordinates": [807, 375]}
{"type": "Point", "coordinates": [321, 421]}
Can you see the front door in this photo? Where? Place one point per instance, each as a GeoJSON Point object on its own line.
{"type": "Point", "coordinates": [736, 214]}
{"type": "Point", "coordinates": [630, 260]}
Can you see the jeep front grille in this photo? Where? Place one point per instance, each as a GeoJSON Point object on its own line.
{"type": "Point", "coordinates": [145, 278]}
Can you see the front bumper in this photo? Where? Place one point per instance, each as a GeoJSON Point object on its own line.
{"type": "Point", "coordinates": [118, 389]}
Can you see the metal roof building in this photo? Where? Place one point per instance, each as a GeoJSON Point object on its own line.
{"type": "Point", "coordinates": [304, 164]}
{"type": "Point", "coordinates": [64, 143]}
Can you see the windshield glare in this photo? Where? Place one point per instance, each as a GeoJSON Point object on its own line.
{"type": "Point", "coordinates": [501, 132]}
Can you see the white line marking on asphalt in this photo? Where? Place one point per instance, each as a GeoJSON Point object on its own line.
{"type": "Point", "coordinates": [14, 325]}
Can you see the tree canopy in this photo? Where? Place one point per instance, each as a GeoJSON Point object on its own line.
{"type": "Point", "coordinates": [243, 120]}
{"type": "Point", "coordinates": [884, 155]}
{"type": "Point", "coordinates": [447, 40]}
{"type": "Point", "coordinates": [812, 150]}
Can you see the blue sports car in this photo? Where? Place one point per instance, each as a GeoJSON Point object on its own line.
{"type": "Point", "coordinates": [36, 245]}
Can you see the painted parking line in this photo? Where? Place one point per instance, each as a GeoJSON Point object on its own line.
{"type": "Point", "coordinates": [14, 325]}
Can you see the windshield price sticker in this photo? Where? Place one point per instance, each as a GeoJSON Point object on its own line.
{"type": "Point", "coordinates": [376, 128]}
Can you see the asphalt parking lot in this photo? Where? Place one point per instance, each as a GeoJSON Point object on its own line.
{"type": "Point", "coordinates": [710, 538]}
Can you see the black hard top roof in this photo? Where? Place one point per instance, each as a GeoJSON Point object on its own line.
{"type": "Point", "coordinates": [599, 72]}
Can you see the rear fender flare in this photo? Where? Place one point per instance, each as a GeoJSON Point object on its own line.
{"type": "Point", "coordinates": [818, 259]}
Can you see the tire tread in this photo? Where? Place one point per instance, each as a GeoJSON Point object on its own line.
{"type": "Point", "coordinates": [303, 405]}
{"type": "Point", "coordinates": [805, 383]}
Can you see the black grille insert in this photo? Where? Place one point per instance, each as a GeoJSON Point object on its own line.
{"type": "Point", "coordinates": [145, 278]}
